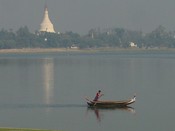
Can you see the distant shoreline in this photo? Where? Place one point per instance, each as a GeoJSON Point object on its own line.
{"type": "Point", "coordinates": [54, 50]}
{"type": "Point", "coordinates": [23, 129]}
{"type": "Point", "coordinates": [32, 50]}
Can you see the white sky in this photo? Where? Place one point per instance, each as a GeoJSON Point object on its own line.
{"type": "Point", "coordinates": [80, 16]}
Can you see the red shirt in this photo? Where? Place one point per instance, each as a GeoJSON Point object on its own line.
{"type": "Point", "coordinates": [97, 97]}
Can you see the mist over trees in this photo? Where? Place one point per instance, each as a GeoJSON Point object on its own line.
{"type": "Point", "coordinates": [116, 37]}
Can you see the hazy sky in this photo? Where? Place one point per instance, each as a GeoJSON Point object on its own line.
{"type": "Point", "coordinates": [81, 15]}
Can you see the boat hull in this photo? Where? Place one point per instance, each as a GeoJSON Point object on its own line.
{"type": "Point", "coordinates": [111, 104]}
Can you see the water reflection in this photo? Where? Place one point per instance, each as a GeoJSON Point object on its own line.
{"type": "Point", "coordinates": [98, 111]}
{"type": "Point", "coordinates": [41, 106]}
{"type": "Point", "coordinates": [48, 82]}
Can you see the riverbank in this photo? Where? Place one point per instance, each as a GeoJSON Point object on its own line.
{"type": "Point", "coordinates": [20, 129]}
{"type": "Point", "coordinates": [52, 50]}
{"type": "Point", "coordinates": [33, 50]}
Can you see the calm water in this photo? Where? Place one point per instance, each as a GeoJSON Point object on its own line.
{"type": "Point", "coordinates": [47, 91]}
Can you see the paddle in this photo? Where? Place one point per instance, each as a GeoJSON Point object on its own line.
{"type": "Point", "coordinates": [88, 100]}
{"type": "Point", "coordinates": [95, 102]}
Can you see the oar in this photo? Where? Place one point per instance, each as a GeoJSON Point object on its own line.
{"type": "Point", "coordinates": [88, 99]}
{"type": "Point", "coordinates": [94, 103]}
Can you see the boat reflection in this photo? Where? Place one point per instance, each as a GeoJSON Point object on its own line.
{"type": "Point", "coordinates": [98, 111]}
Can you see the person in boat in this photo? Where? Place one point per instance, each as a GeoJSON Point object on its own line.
{"type": "Point", "coordinates": [98, 95]}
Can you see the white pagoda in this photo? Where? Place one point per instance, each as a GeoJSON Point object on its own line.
{"type": "Point", "coordinates": [46, 25]}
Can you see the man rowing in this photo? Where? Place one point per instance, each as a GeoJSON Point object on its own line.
{"type": "Point", "coordinates": [98, 95]}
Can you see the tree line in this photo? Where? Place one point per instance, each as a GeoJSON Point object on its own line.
{"type": "Point", "coordinates": [116, 37]}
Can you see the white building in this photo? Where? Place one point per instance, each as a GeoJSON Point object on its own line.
{"type": "Point", "coordinates": [132, 44]}
{"type": "Point", "coordinates": [46, 25]}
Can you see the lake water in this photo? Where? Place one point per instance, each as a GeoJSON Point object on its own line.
{"type": "Point", "coordinates": [47, 91]}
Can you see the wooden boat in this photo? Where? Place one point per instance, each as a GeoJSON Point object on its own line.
{"type": "Point", "coordinates": [111, 104]}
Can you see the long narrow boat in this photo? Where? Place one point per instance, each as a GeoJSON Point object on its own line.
{"type": "Point", "coordinates": [110, 104]}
